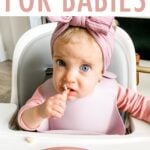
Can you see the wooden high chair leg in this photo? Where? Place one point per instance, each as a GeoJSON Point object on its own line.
{"type": "Point", "coordinates": [137, 64]}
{"type": "Point", "coordinates": [139, 68]}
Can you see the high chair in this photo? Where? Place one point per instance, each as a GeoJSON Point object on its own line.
{"type": "Point", "coordinates": [31, 59]}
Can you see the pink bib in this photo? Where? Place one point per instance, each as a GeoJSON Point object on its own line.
{"type": "Point", "coordinates": [95, 114]}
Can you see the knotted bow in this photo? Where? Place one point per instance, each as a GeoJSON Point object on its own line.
{"type": "Point", "coordinates": [99, 27]}
{"type": "Point", "coordinates": [96, 24]}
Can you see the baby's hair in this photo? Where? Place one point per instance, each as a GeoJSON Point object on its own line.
{"type": "Point", "coordinates": [71, 31]}
{"type": "Point", "coordinates": [67, 34]}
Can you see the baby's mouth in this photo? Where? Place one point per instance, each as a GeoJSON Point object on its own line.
{"type": "Point", "coordinates": [71, 89]}
{"type": "Point", "coordinates": [72, 92]}
{"type": "Point", "coordinates": [65, 87]}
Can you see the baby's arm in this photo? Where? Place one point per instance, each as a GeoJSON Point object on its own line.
{"type": "Point", "coordinates": [134, 103]}
{"type": "Point", "coordinates": [53, 107]}
{"type": "Point", "coordinates": [32, 114]}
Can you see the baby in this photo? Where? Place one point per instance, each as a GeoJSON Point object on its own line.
{"type": "Point", "coordinates": [82, 95]}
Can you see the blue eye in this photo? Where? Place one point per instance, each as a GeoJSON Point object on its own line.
{"type": "Point", "coordinates": [85, 68]}
{"type": "Point", "coordinates": [60, 62]}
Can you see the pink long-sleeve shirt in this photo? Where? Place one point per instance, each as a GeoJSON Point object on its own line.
{"type": "Point", "coordinates": [135, 104]}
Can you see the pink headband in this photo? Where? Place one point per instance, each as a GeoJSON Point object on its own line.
{"type": "Point", "coordinates": [99, 27]}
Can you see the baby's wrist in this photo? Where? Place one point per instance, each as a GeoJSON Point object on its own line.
{"type": "Point", "coordinates": [41, 112]}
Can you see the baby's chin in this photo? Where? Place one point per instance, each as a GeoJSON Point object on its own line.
{"type": "Point", "coordinates": [74, 97]}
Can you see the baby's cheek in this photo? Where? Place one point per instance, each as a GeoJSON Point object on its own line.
{"type": "Point", "coordinates": [55, 83]}
{"type": "Point", "coordinates": [88, 87]}
{"type": "Point", "coordinates": [58, 82]}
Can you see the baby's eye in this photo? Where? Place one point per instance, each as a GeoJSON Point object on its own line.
{"type": "Point", "coordinates": [60, 62]}
{"type": "Point", "coordinates": [85, 68]}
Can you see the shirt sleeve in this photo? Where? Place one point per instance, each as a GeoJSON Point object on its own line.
{"type": "Point", "coordinates": [39, 96]}
{"type": "Point", "coordinates": [134, 103]}
{"type": "Point", "coordinates": [35, 100]}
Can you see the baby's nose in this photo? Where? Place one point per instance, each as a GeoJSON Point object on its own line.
{"type": "Point", "coordinates": [70, 76]}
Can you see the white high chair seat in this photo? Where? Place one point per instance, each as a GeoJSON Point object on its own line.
{"type": "Point", "coordinates": [31, 59]}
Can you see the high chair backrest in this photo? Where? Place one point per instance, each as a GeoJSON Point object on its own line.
{"type": "Point", "coordinates": [32, 57]}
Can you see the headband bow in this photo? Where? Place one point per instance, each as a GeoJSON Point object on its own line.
{"type": "Point", "coordinates": [99, 27]}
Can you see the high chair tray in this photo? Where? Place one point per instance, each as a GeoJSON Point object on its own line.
{"type": "Point", "coordinates": [17, 139]}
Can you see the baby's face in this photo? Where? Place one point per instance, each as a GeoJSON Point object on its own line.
{"type": "Point", "coordinates": [78, 64]}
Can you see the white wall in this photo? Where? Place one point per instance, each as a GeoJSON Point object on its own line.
{"type": "Point", "coordinates": [11, 28]}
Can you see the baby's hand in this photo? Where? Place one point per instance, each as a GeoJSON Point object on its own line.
{"type": "Point", "coordinates": [54, 106]}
